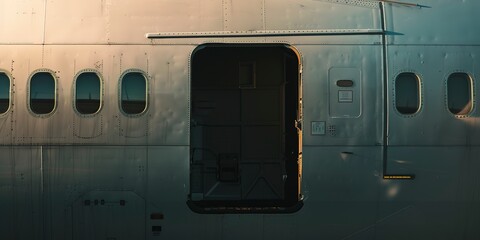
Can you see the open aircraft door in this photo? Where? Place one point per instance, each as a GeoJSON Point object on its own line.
{"type": "Point", "coordinates": [245, 133]}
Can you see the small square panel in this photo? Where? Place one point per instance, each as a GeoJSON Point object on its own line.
{"type": "Point", "coordinates": [318, 128]}
{"type": "Point", "coordinates": [345, 96]}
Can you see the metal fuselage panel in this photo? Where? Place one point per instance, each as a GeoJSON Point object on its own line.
{"type": "Point", "coordinates": [167, 89]}
{"type": "Point", "coordinates": [433, 124]}
{"type": "Point", "coordinates": [55, 170]}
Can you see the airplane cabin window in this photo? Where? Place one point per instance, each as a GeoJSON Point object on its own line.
{"type": "Point", "coordinates": [87, 93]}
{"type": "Point", "coordinates": [4, 93]}
{"type": "Point", "coordinates": [133, 93]}
{"type": "Point", "coordinates": [42, 93]}
{"type": "Point", "coordinates": [407, 93]}
{"type": "Point", "coordinates": [459, 93]}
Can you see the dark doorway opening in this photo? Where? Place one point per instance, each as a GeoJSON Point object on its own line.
{"type": "Point", "coordinates": [245, 145]}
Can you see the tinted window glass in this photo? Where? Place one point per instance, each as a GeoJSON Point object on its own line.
{"type": "Point", "coordinates": [42, 93]}
{"type": "Point", "coordinates": [459, 90]}
{"type": "Point", "coordinates": [4, 93]}
{"type": "Point", "coordinates": [407, 94]}
{"type": "Point", "coordinates": [87, 93]}
{"type": "Point", "coordinates": [134, 91]}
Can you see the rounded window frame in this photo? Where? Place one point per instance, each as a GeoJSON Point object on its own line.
{"type": "Point", "coordinates": [55, 80]}
{"type": "Point", "coordinates": [147, 92]}
{"type": "Point", "coordinates": [420, 93]}
{"type": "Point", "coordinates": [472, 93]}
{"type": "Point", "coordinates": [10, 92]}
{"type": "Point", "coordinates": [74, 92]}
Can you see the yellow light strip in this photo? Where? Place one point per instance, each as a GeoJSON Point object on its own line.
{"type": "Point", "coordinates": [399, 177]}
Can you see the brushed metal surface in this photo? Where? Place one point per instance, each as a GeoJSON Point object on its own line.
{"type": "Point", "coordinates": [49, 165]}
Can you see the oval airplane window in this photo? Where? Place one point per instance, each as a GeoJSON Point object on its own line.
{"type": "Point", "coordinates": [4, 93]}
{"type": "Point", "coordinates": [133, 93]}
{"type": "Point", "coordinates": [459, 93]}
{"type": "Point", "coordinates": [42, 93]}
{"type": "Point", "coordinates": [407, 93]}
{"type": "Point", "coordinates": [87, 93]}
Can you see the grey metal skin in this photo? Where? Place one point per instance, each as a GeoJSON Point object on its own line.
{"type": "Point", "coordinates": [50, 166]}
